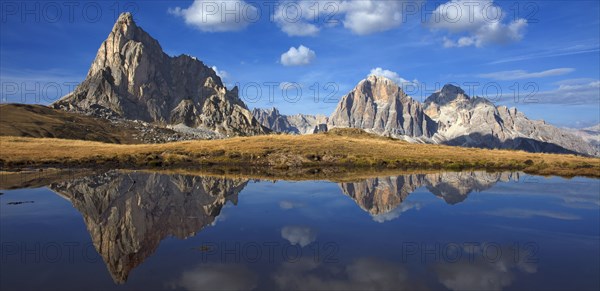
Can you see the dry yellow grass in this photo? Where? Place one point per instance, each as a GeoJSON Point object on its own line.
{"type": "Point", "coordinates": [339, 149]}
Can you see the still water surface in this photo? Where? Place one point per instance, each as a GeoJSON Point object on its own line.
{"type": "Point", "coordinates": [142, 230]}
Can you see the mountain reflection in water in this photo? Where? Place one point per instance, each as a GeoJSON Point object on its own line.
{"type": "Point", "coordinates": [128, 213]}
{"type": "Point", "coordinates": [173, 230]}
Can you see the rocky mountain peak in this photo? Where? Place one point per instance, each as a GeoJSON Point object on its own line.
{"type": "Point", "coordinates": [447, 94]}
{"type": "Point", "coordinates": [132, 78]}
{"type": "Point", "coordinates": [377, 104]}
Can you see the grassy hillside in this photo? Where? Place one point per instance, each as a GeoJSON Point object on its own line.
{"type": "Point", "coordinates": [340, 149]}
{"type": "Point", "coordinates": [41, 121]}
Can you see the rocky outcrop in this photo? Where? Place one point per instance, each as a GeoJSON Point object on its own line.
{"type": "Point", "coordinates": [379, 105]}
{"type": "Point", "coordinates": [133, 78]}
{"type": "Point", "coordinates": [477, 122]}
{"type": "Point", "coordinates": [294, 124]}
{"type": "Point", "coordinates": [381, 195]}
{"type": "Point", "coordinates": [450, 117]}
{"type": "Point", "coordinates": [129, 213]}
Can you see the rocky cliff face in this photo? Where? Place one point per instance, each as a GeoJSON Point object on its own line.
{"type": "Point", "coordinates": [294, 124]}
{"type": "Point", "coordinates": [450, 117]}
{"type": "Point", "coordinates": [477, 122]}
{"type": "Point", "coordinates": [379, 106]}
{"type": "Point", "coordinates": [128, 214]}
{"type": "Point", "coordinates": [133, 78]}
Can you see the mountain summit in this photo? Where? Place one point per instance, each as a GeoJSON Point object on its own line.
{"type": "Point", "coordinates": [379, 105]}
{"type": "Point", "coordinates": [132, 78]}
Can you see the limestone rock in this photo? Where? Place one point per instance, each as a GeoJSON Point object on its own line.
{"type": "Point", "coordinates": [378, 105]}
{"type": "Point", "coordinates": [477, 122]}
{"type": "Point", "coordinates": [132, 78]}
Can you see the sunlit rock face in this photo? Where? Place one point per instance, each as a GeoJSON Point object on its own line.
{"type": "Point", "coordinates": [378, 105]}
{"type": "Point", "coordinates": [133, 78]}
{"type": "Point", "coordinates": [450, 116]}
{"type": "Point", "coordinates": [128, 214]}
{"type": "Point", "coordinates": [477, 122]}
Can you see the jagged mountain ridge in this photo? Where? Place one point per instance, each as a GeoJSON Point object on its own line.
{"type": "Point", "coordinates": [449, 117]}
{"type": "Point", "coordinates": [132, 78]}
{"type": "Point", "coordinates": [294, 124]}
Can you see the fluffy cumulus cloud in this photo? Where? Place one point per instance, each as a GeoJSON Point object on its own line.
{"type": "Point", "coordinates": [406, 206]}
{"type": "Point", "coordinates": [300, 56]}
{"type": "Point", "coordinates": [222, 74]}
{"type": "Point", "coordinates": [299, 235]}
{"type": "Point", "coordinates": [475, 23]}
{"type": "Point", "coordinates": [522, 74]}
{"type": "Point", "coordinates": [218, 16]}
{"type": "Point", "coordinates": [308, 17]}
{"type": "Point", "coordinates": [392, 76]}
{"type": "Point", "coordinates": [474, 271]}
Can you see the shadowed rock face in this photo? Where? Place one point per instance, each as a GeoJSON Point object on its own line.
{"type": "Point", "coordinates": [378, 105]}
{"type": "Point", "coordinates": [128, 214]}
{"type": "Point", "coordinates": [382, 195]}
{"type": "Point", "coordinates": [133, 78]}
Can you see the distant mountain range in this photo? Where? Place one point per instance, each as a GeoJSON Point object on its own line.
{"type": "Point", "coordinates": [132, 78]}
{"type": "Point", "coordinates": [294, 124]}
{"type": "Point", "coordinates": [450, 117]}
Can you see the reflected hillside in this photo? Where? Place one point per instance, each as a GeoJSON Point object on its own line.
{"type": "Point", "coordinates": [383, 194]}
{"type": "Point", "coordinates": [128, 214]}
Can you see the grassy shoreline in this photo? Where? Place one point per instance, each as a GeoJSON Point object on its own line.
{"type": "Point", "coordinates": [340, 150]}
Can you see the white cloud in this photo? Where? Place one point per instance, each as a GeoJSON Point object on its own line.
{"type": "Point", "coordinates": [580, 91]}
{"type": "Point", "coordinates": [476, 271]}
{"type": "Point", "coordinates": [211, 276]}
{"type": "Point", "coordinates": [286, 204]}
{"type": "Point", "coordinates": [298, 56]}
{"type": "Point", "coordinates": [218, 15]}
{"type": "Point", "coordinates": [479, 21]}
{"type": "Point", "coordinates": [301, 235]}
{"type": "Point", "coordinates": [406, 206]}
{"type": "Point", "coordinates": [392, 76]}
{"type": "Point", "coordinates": [293, 19]}
{"type": "Point", "coordinates": [359, 16]}
{"type": "Point", "coordinates": [221, 74]}
{"type": "Point", "coordinates": [522, 74]}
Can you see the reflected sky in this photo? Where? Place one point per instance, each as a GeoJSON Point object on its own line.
{"type": "Point", "coordinates": [457, 230]}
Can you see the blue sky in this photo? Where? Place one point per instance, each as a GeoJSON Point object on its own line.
{"type": "Point", "coordinates": [548, 48]}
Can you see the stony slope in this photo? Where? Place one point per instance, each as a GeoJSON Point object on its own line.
{"type": "Point", "coordinates": [294, 124]}
{"type": "Point", "coordinates": [41, 121]}
{"type": "Point", "coordinates": [131, 77]}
